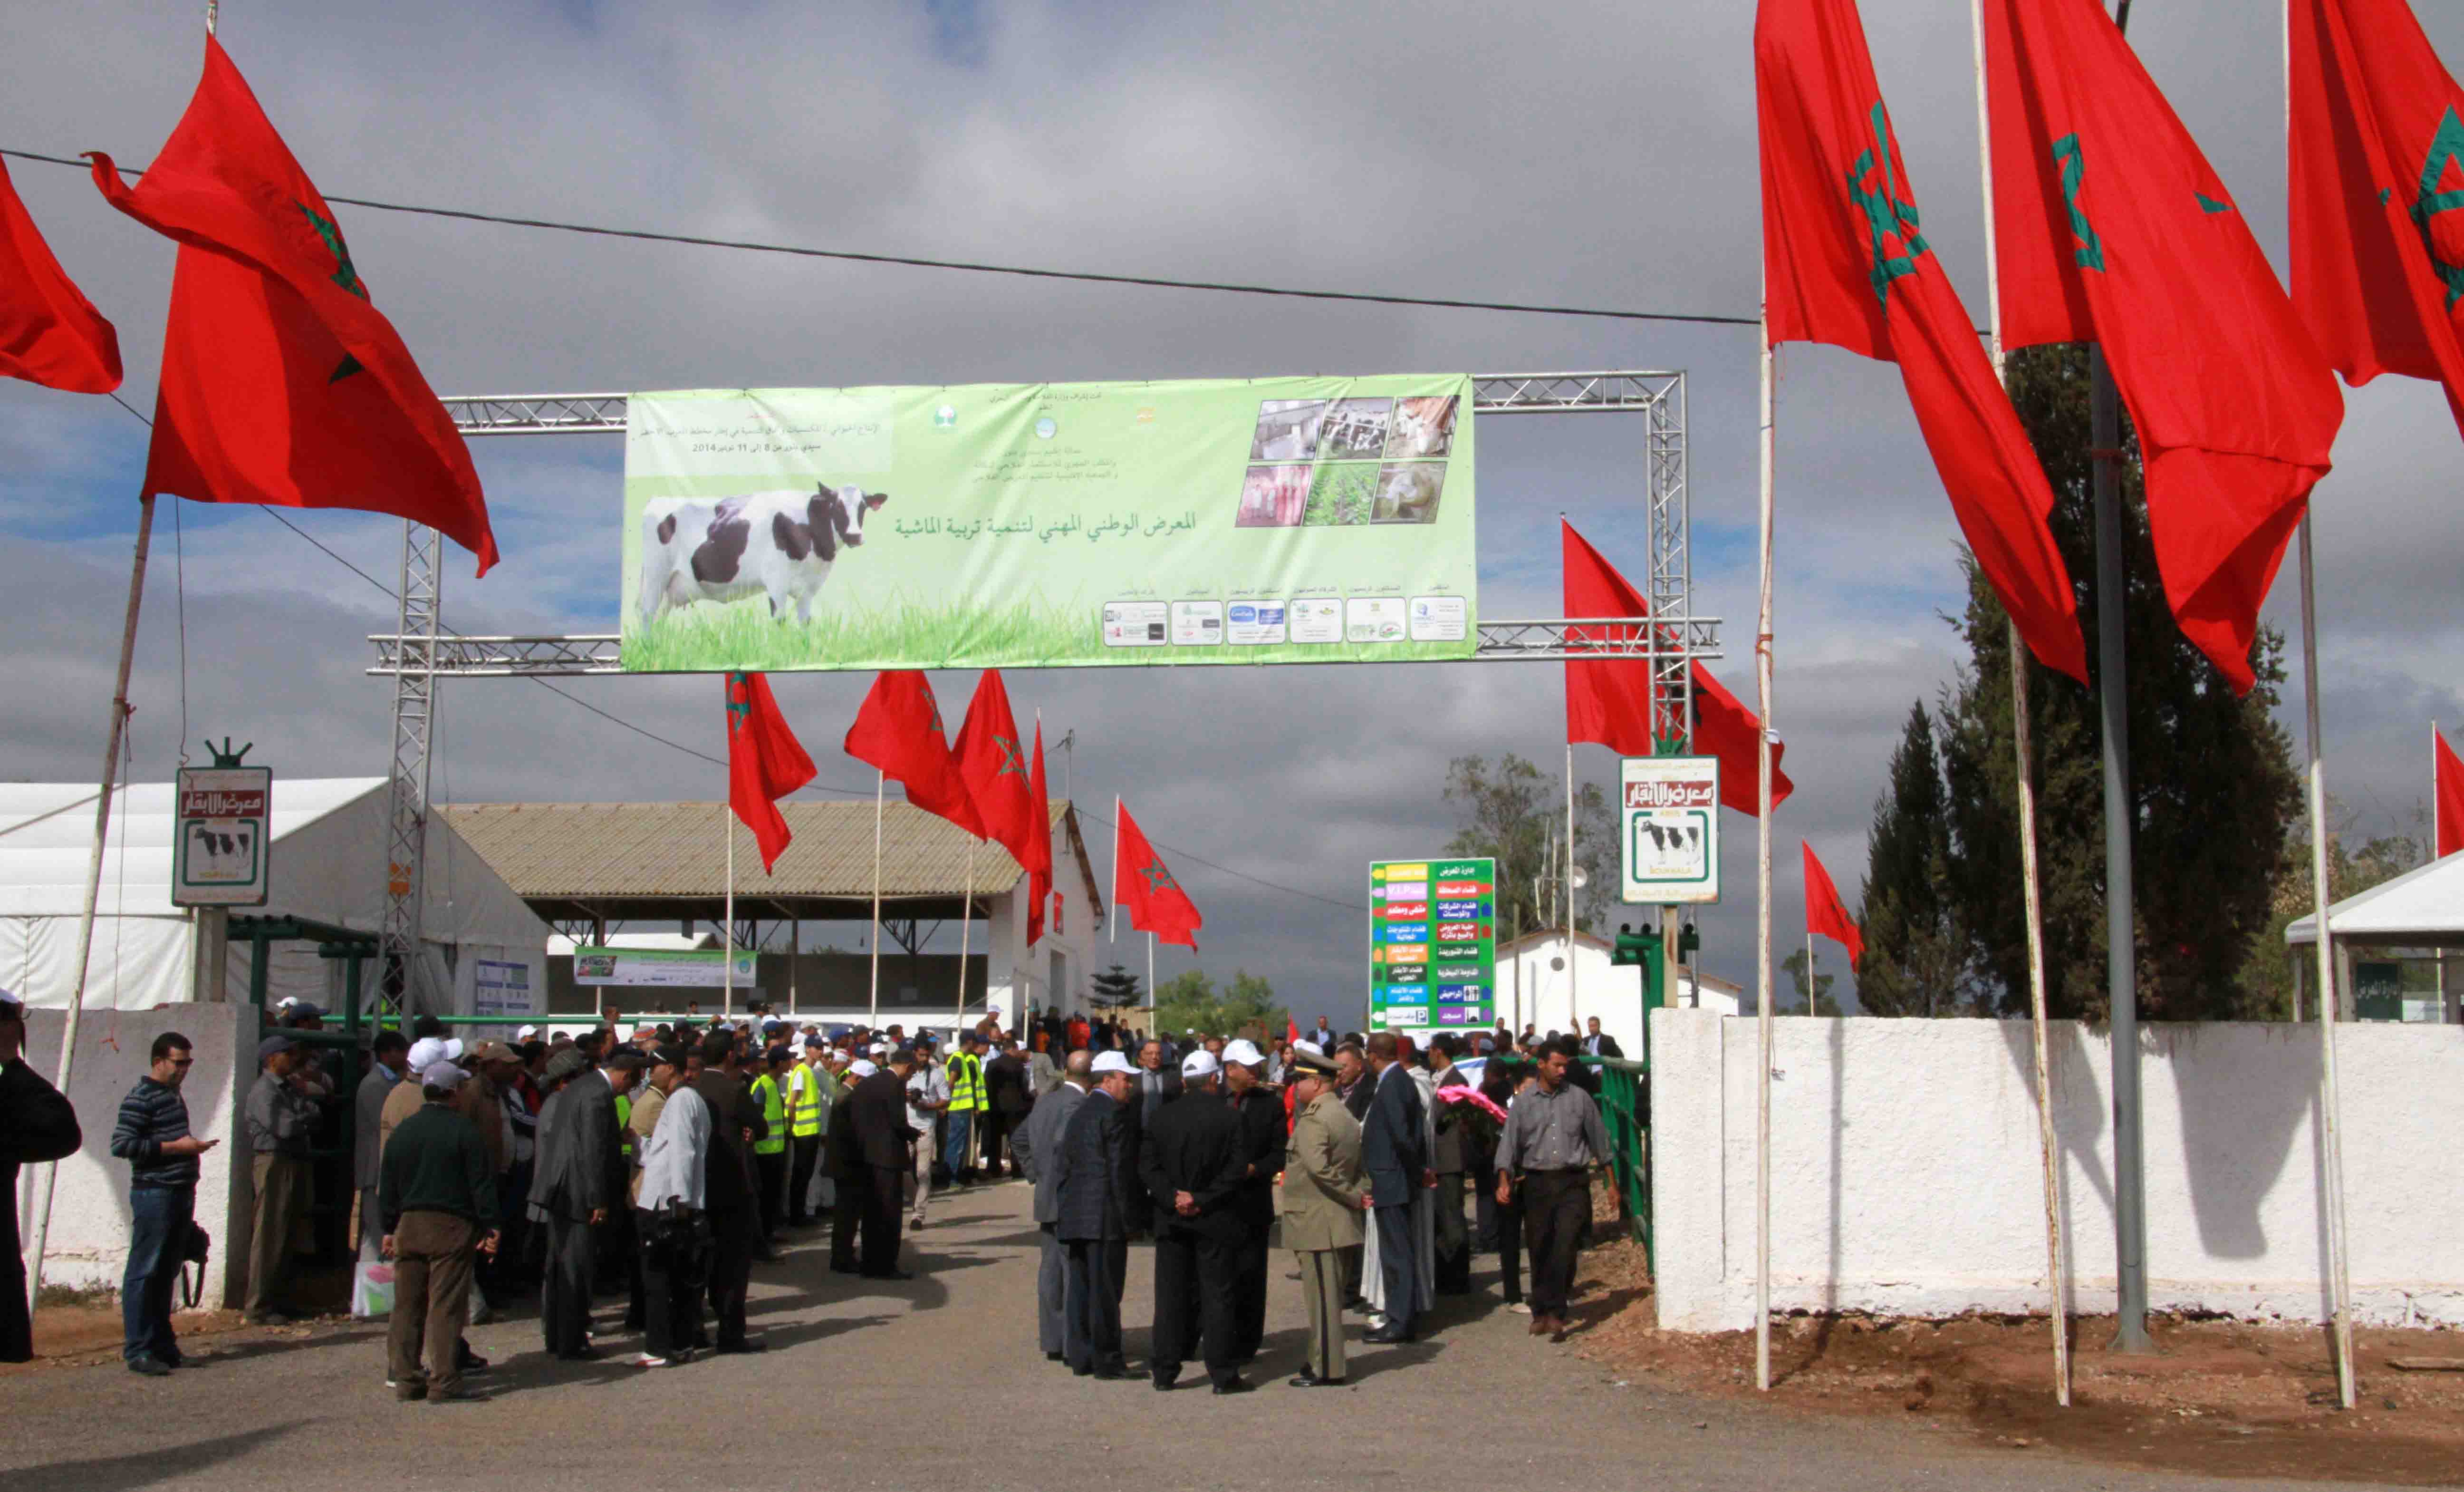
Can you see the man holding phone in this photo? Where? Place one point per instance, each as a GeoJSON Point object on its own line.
{"type": "Point", "coordinates": [152, 1136]}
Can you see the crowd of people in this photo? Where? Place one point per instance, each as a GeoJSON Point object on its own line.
{"type": "Point", "coordinates": [663, 1161]}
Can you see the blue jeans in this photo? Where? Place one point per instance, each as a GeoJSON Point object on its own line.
{"type": "Point", "coordinates": [159, 1220]}
{"type": "Point", "coordinates": [953, 1146]}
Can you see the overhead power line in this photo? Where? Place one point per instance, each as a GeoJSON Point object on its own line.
{"type": "Point", "coordinates": [975, 267]}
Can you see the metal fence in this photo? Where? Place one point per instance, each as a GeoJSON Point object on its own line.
{"type": "Point", "coordinates": [1625, 1108]}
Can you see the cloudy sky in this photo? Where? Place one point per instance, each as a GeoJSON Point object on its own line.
{"type": "Point", "coordinates": [1581, 153]}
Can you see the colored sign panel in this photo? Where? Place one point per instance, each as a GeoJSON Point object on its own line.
{"type": "Point", "coordinates": [669, 969]}
{"type": "Point", "coordinates": [1201, 521]}
{"type": "Point", "coordinates": [221, 850]}
{"type": "Point", "coordinates": [1432, 944]}
{"type": "Point", "coordinates": [1669, 842]}
{"type": "Point", "coordinates": [502, 989]}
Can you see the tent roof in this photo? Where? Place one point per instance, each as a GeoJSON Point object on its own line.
{"type": "Point", "coordinates": [2423, 905]}
{"type": "Point", "coordinates": [650, 860]}
{"type": "Point", "coordinates": [47, 836]}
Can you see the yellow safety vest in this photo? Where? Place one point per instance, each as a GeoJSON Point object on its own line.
{"type": "Point", "coordinates": [806, 1115]}
{"type": "Point", "coordinates": [624, 1124]}
{"type": "Point", "coordinates": [774, 1117]}
{"type": "Point", "coordinates": [966, 1084]}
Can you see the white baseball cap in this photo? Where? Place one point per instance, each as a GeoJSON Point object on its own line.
{"type": "Point", "coordinates": [1244, 1052]}
{"type": "Point", "coordinates": [1201, 1063]}
{"type": "Point", "coordinates": [525, 1033]}
{"type": "Point", "coordinates": [862, 1068]}
{"type": "Point", "coordinates": [442, 1075]}
{"type": "Point", "coordinates": [1112, 1062]}
{"type": "Point", "coordinates": [429, 1051]}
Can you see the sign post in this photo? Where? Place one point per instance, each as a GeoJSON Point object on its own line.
{"type": "Point", "coordinates": [1432, 944]}
{"type": "Point", "coordinates": [1670, 837]}
{"type": "Point", "coordinates": [221, 858]}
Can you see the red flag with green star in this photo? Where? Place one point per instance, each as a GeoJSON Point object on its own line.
{"type": "Point", "coordinates": [281, 383]}
{"type": "Point", "coordinates": [899, 730]}
{"type": "Point", "coordinates": [2111, 227]}
{"type": "Point", "coordinates": [1845, 262]}
{"type": "Point", "coordinates": [765, 763]}
{"type": "Point", "coordinates": [1146, 890]}
{"type": "Point", "coordinates": [1039, 868]}
{"type": "Point", "coordinates": [993, 760]}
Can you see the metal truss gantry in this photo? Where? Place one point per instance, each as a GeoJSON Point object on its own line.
{"type": "Point", "coordinates": [422, 650]}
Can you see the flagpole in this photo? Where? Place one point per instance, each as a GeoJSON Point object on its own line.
{"type": "Point", "coordinates": [727, 986]}
{"type": "Point", "coordinates": [2023, 750]}
{"type": "Point", "coordinates": [1117, 868]}
{"type": "Point", "coordinates": [1150, 992]}
{"type": "Point", "coordinates": [1573, 1011]}
{"type": "Point", "coordinates": [1762, 885]}
{"type": "Point", "coordinates": [880, 780]}
{"type": "Point", "coordinates": [1812, 989]}
{"type": "Point", "coordinates": [94, 876]}
{"type": "Point", "coordinates": [2329, 1003]}
{"type": "Point", "coordinates": [966, 924]}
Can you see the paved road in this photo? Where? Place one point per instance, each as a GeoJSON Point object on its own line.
{"type": "Point", "coordinates": [937, 1384]}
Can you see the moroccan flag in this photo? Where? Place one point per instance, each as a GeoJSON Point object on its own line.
{"type": "Point", "coordinates": [2448, 789]}
{"type": "Point", "coordinates": [1141, 884]}
{"type": "Point", "coordinates": [1844, 262]}
{"type": "Point", "coordinates": [2376, 148]}
{"type": "Point", "coordinates": [765, 763]}
{"type": "Point", "coordinates": [899, 730]}
{"type": "Point", "coordinates": [1609, 701]}
{"type": "Point", "coordinates": [281, 382]}
{"type": "Point", "coordinates": [2110, 226]}
{"type": "Point", "coordinates": [49, 333]}
{"type": "Point", "coordinates": [1037, 858]}
{"type": "Point", "coordinates": [1824, 915]}
{"type": "Point", "coordinates": [992, 761]}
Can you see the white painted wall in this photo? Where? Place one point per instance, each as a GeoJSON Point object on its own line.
{"type": "Point", "coordinates": [1904, 1170]}
{"type": "Point", "coordinates": [89, 1236]}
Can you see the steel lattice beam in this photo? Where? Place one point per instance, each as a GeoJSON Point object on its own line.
{"type": "Point", "coordinates": [414, 667]}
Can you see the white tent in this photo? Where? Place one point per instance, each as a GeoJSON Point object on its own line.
{"type": "Point", "coordinates": [328, 865]}
{"type": "Point", "coordinates": [2422, 908]}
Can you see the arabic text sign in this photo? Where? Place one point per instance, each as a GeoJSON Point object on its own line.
{"type": "Point", "coordinates": [1220, 521]}
{"type": "Point", "coordinates": [1432, 944]}
{"type": "Point", "coordinates": [1669, 821]}
{"type": "Point", "coordinates": [671, 968]}
{"type": "Point", "coordinates": [220, 854]}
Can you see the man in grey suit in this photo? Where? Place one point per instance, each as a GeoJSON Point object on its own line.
{"type": "Point", "coordinates": [581, 1174]}
{"type": "Point", "coordinates": [1034, 1145]}
{"type": "Point", "coordinates": [1393, 1151]}
{"type": "Point", "coordinates": [388, 1057]}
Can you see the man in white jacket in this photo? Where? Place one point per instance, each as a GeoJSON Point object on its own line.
{"type": "Point", "coordinates": [675, 1235]}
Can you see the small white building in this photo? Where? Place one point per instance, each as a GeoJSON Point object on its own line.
{"type": "Point", "coordinates": [1536, 987]}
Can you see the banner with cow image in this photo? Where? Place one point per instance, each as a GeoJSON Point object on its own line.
{"type": "Point", "coordinates": [1201, 521]}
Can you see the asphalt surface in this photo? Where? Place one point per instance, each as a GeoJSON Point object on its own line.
{"type": "Point", "coordinates": [937, 1384]}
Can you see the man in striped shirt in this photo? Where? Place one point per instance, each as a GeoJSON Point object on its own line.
{"type": "Point", "coordinates": [152, 1136]}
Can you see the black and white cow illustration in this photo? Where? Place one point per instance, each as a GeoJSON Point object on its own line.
{"type": "Point", "coordinates": [776, 544]}
{"type": "Point", "coordinates": [220, 850]}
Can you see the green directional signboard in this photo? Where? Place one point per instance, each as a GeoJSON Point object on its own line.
{"type": "Point", "coordinates": [1432, 944]}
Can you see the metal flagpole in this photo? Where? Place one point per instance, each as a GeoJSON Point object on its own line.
{"type": "Point", "coordinates": [880, 780]}
{"type": "Point", "coordinates": [727, 921]}
{"type": "Point", "coordinates": [1574, 1013]}
{"type": "Point", "coordinates": [1812, 988]}
{"type": "Point", "coordinates": [1117, 868]}
{"type": "Point", "coordinates": [2023, 749]}
{"type": "Point", "coordinates": [966, 924]}
{"type": "Point", "coordinates": [1151, 994]}
{"type": "Point", "coordinates": [94, 873]}
{"type": "Point", "coordinates": [1762, 888]}
{"type": "Point", "coordinates": [2329, 1001]}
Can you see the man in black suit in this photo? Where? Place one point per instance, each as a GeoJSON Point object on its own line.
{"type": "Point", "coordinates": [728, 1196]}
{"type": "Point", "coordinates": [1597, 1043]}
{"type": "Point", "coordinates": [1192, 1161]}
{"type": "Point", "coordinates": [876, 1111]}
{"type": "Point", "coordinates": [1263, 1137]}
{"type": "Point", "coordinates": [1393, 1153]}
{"type": "Point", "coordinates": [1006, 1102]}
{"type": "Point", "coordinates": [1095, 1176]}
{"type": "Point", "coordinates": [37, 1124]}
{"type": "Point", "coordinates": [579, 1175]}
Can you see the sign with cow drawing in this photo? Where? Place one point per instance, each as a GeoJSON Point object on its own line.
{"type": "Point", "coordinates": [1670, 829]}
{"type": "Point", "coordinates": [221, 836]}
{"type": "Point", "coordinates": [1214, 521]}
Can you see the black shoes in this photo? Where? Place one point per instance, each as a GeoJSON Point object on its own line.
{"type": "Point", "coordinates": [1235, 1386]}
{"type": "Point", "coordinates": [1388, 1336]}
{"type": "Point", "coordinates": [1055, 1357]}
{"type": "Point", "coordinates": [1165, 1384]}
{"type": "Point", "coordinates": [148, 1365]}
{"type": "Point", "coordinates": [1311, 1381]}
{"type": "Point", "coordinates": [1108, 1374]}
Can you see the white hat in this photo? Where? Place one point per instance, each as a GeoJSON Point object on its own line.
{"type": "Point", "coordinates": [525, 1033]}
{"type": "Point", "coordinates": [1308, 1049]}
{"type": "Point", "coordinates": [1112, 1062]}
{"type": "Point", "coordinates": [862, 1068]}
{"type": "Point", "coordinates": [881, 1049]}
{"type": "Point", "coordinates": [442, 1075]}
{"type": "Point", "coordinates": [1244, 1053]}
{"type": "Point", "coordinates": [427, 1052]}
{"type": "Point", "coordinates": [1201, 1063]}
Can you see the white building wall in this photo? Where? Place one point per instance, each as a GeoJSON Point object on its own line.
{"type": "Point", "coordinates": [1904, 1169]}
{"type": "Point", "coordinates": [89, 1234]}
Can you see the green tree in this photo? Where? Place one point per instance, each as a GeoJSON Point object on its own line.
{"type": "Point", "coordinates": [1515, 814]}
{"type": "Point", "coordinates": [1114, 988]}
{"type": "Point", "coordinates": [1917, 955]}
{"type": "Point", "coordinates": [1190, 1001]}
{"type": "Point", "coordinates": [2214, 793]}
{"type": "Point", "coordinates": [2354, 866]}
{"type": "Point", "coordinates": [1823, 1003]}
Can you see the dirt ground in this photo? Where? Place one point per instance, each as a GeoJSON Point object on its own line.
{"type": "Point", "coordinates": [2218, 1398]}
